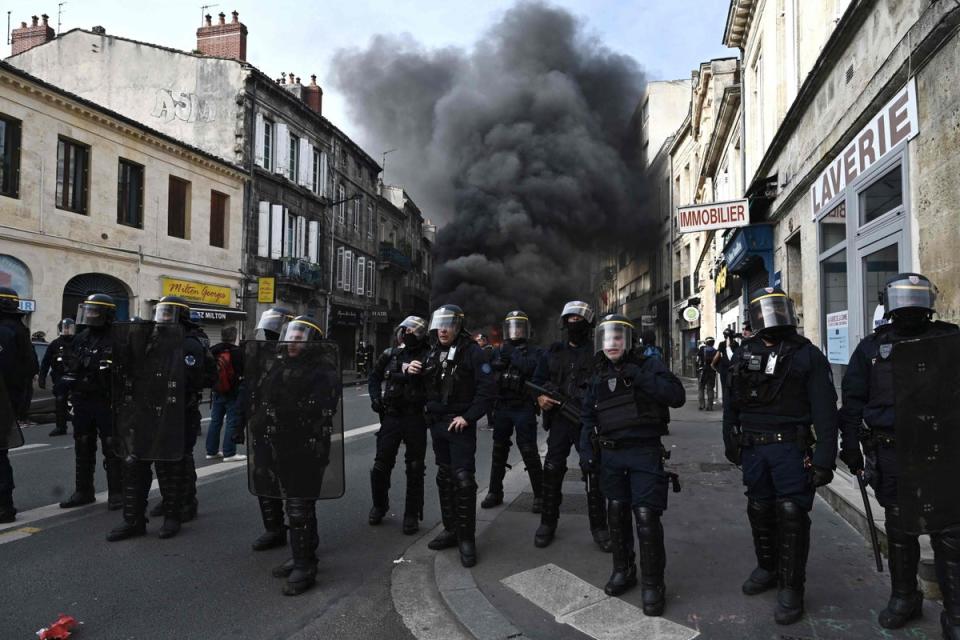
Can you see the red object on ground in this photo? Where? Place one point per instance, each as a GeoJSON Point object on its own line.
{"type": "Point", "coordinates": [59, 630]}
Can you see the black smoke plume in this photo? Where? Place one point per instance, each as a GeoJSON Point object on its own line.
{"type": "Point", "coordinates": [516, 147]}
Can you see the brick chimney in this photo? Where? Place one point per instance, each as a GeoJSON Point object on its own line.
{"type": "Point", "coordinates": [36, 34]}
{"type": "Point", "coordinates": [223, 40]}
{"type": "Point", "coordinates": [313, 95]}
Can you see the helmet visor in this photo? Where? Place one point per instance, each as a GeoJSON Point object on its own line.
{"type": "Point", "coordinates": [273, 320]}
{"type": "Point", "coordinates": [911, 292]}
{"type": "Point", "coordinates": [516, 328]}
{"type": "Point", "coordinates": [578, 308]}
{"type": "Point", "coordinates": [92, 314]}
{"type": "Point", "coordinates": [68, 328]}
{"type": "Point", "coordinates": [772, 310]}
{"type": "Point", "coordinates": [300, 331]}
{"type": "Point", "coordinates": [170, 312]}
{"type": "Point", "coordinates": [446, 319]}
{"type": "Point", "coordinates": [614, 338]}
{"type": "Point", "coordinates": [414, 325]}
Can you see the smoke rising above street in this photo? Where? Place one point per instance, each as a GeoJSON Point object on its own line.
{"type": "Point", "coordinates": [516, 148]}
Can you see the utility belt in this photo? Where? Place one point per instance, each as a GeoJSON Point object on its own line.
{"type": "Point", "coordinates": [630, 443]}
{"type": "Point", "coordinates": [756, 438]}
{"type": "Point", "coordinates": [873, 439]}
{"type": "Point", "coordinates": [402, 411]}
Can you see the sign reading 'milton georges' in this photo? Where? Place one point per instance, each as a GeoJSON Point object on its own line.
{"type": "Point", "coordinates": [896, 122]}
{"type": "Point", "coordinates": [712, 215]}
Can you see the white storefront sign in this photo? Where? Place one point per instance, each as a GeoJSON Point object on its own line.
{"type": "Point", "coordinates": [714, 215]}
{"type": "Point", "coordinates": [838, 348]}
{"type": "Point", "coordinates": [896, 122]}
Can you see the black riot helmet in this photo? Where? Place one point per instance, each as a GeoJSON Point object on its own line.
{"type": "Point", "coordinates": [909, 291]}
{"type": "Point", "coordinates": [447, 317]}
{"type": "Point", "coordinates": [301, 329]}
{"type": "Point", "coordinates": [98, 310]}
{"type": "Point", "coordinates": [411, 331]}
{"type": "Point", "coordinates": [614, 336]}
{"type": "Point", "coordinates": [516, 326]}
{"type": "Point", "coordinates": [67, 327]}
{"type": "Point", "coordinates": [577, 308]}
{"type": "Point", "coordinates": [577, 319]}
{"type": "Point", "coordinates": [272, 321]}
{"type": "Point", "coordinates": [171, 310]}
{"type": "Point", "coordinates": [770, 310]}
{"type": "Point", "coordinates": [9, 301]}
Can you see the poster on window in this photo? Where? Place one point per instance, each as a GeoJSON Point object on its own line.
{"type": "Point", "coordinates": [837, 343]}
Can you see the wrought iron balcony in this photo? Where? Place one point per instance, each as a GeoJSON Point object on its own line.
{"type": "Point", "coordinates": [300, 271]}
{"type": "Point", "coordinates": [390, 256]}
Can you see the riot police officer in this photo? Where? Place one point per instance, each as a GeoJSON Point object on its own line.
{"type": "Point", "coordinates": [625, 413]}
{"type": "Point", "coordinates": [459, 385]}
{"type": "Point", "coordinates": [55, 363]}
{"type": "Point", "coordinates": [397, 395]}
{"type": "Point", "coordinates": [780, 384]}
{"type": "Point", "coordinates": [18, 364]}
{"type": "Point", "coordinates": [706, 375]}
{"type": "Point", "coordinates": [869, 396]}
{"type": "Point", "coordinates": [88, 373]}
{"type": "Point", "coordinates": [565, 369]}
{"type": "Point", "coordinates": [514, 409]}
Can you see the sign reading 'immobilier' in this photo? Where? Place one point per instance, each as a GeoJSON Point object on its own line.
{"type": "Point", "coordinates": [714, 215]}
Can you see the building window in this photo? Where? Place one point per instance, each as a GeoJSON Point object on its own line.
{"type": "Point", "coordinates": [130, 194]}
{"type": "Point", "coordinates": [370, 220]}
{"type": "Point", "coordinates": [317, 183]}
{"type": "Point", "coordinates": [342, 207]}
{"type": "Point", "coordinates": [219, 205]}
{"type": "Point", "coordinates": [347, 270]}
{"type": "Point", "coordinates": [267, 144]}
{"type": "Point", "coordinates": [371, 270]}
{"type": "Point", "coordinates": [361, 273]}
{"type": "Point", "coordinates": [882, 197]}
{"type": "Point", "coordinates": [290, 244]}
{"type": "Point", "coordinates": [339, 268]}
{"type": "Point", "coordinates": [293, 167]}
{"type": "Point", "coordinates": [356, 213]}
{"type": "Point", "coordinates": [178, 208]}
{"type": "Point", "coordinates": [9, 156]}
{"type": "Point", "coordinates": [73, 160]}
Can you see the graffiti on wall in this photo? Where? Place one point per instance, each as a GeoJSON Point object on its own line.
{"type": "Point", "coordinates": [182, 105]}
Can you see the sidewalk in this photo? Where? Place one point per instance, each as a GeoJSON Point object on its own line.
{"type": "Point", "coordinates": [519, 591]}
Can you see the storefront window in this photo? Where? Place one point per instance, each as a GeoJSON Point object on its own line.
{"type": "Point", "coordinates": [833, 227]}
{"type": "Point", "coordinates": [877, 268]}
{"type": "Point", "coordinates": [881, 197]}
{"type": "Point", "coordinates": [833, 274]}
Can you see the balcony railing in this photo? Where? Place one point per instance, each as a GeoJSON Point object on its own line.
{"type": "Point", "coordinates": [301, 271]}
{"type": "Point", "coordinates": [390, 256]}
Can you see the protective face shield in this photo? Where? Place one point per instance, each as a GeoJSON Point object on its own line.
{"type": "Point", "coordinates": [299, 330]}
{"type": "Point", "coordinates": [68, 327]}
{"type": "Point", "coordinates": [412, 331]}
{"type": "Point", "coordinates": [171, 312]}
{"type": "Point", "coordinates": [96, 311]}
{"type": "Point", "coordinates": [908, 291]}
{"type": "Point", "coordinates": [273, 319]}
{"type": "Point", "coordinates": [578, 308]}
{"type": "Point", "coordinates": [614, 337]}
{"type": "Point", "coordinates": [447, 322]}
{"type": "Point", "coordinates": [516, 326]}
{"type": "Point", "coordinates": [771, 308]}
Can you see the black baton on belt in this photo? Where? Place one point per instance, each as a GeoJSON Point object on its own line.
{"type": "Point", "coordinates": [870, 523]}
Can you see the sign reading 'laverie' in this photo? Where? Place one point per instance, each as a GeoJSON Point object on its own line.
{"type": "Point", "coordinates": [710, 216]}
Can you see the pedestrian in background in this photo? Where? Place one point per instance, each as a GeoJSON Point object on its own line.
{"type": "Point", "coordinates": [706, 375]}
{"type": "Point", "coordinates": [223, 398]}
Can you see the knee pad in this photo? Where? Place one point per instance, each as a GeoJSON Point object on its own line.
{"type": "Point", "coordinates": [759, 511]}
{"type": "Point", "coordinates": [381, 467]}
{"type": "Point", "coordinates": [300, 512]}
{"type": "Point", "coordinates": [443, 473]}
{"type": "Point", "coordinates": [948, 542]}
{"type": "Point", "coordinates": [554, 467]}
{"type": "Point", "coordinates": [465, 479]}
{"type": "Point", "coordinates": [415, 467]}
{"type": "Point", "coordinates": [647, 518]}
{"type": "Point", "coordinates": [791, 514]}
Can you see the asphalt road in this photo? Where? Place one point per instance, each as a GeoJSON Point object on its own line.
{"type": "Point", "coordinates": [206, 582]}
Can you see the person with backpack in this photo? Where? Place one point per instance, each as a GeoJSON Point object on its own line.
{"type": "Point", "coordinates": [706, 375]}
{"type": "Point", "coordinates": [224, 397]}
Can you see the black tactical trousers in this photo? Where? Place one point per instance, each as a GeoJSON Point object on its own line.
{"type": "Point", "coordinates": [6, 481]}
{"type": "Point", "coordinates": [411, 430]}
{"type": "Point", "coordinates": [456, 450]}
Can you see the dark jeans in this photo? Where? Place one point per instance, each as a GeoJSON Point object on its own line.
{"type": "Point", "coordinates": [458, 450]}
{"type": "Point", "coordinates": [775, 472]}
{"type": "Point", "coordinates": [6, 481]}
{"type": "Point", "coordinates": [634, 475]}
{"type": "Point", "coordinates": [222, 406]}
{"type": "Point", "coordinates": [410, 430]}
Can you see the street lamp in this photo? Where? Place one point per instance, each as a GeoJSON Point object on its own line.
{"type": "Point", "coordinates": [356, 196]}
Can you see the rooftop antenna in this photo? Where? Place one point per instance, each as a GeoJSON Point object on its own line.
{"type": "Point", "coordinates": [59, 15]}
{"type": "Point", "coordinates": [203, 11]}
{"type": "Point", "coordinates": [8, 27]}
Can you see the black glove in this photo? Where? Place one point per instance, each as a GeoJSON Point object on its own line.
{"type": "Point", "coordinates": [376, 405]}
{"type": "Point", "coordinates": [852, 457]}
{"type": "Point", "coordinates": [820, 476]}
{"type": "Point", "coordinates": [731, 444]}
{"type": "Point", "coordinates": [630, 371]}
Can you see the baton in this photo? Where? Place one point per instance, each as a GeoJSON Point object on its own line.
{"type": "Point", "coordinates": [871, 525]}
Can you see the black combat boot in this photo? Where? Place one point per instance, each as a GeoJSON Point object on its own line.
{"type": "Point", "coordinates": [597, 512]}
{"type": "Point", "coordinates": [793, 540]}
{"type": "Point", "coordinates": [466, 510]}
{"type": "Point", "coordinates": [624, 574]}
{"type": "Point", "coordinates": [85, 447]}
{"type": "Point", "coordinates": [552, 497]}
{"type": "Point", "coordinates": [498, 469]}
{"type": "Point", "coordinates": [380, 488]}
{"type": "Point", "coordinates": [188, 489]}
{"type": "Point", "coordinates": [114, 468]}
{"type": "Point", "coordinates": [134, 501]}
{"type": "Point", "coordinates": [763, 525]}
{"type": "Point", "coordinates": [531, 460]}
{"type": "Point", "coordinates": [303, 546]}
{"type": "Point", "coordinates": [653, 560]}
{"type": "Point", "coordinates": [903, 556]}
{"type": "Point", "coordinates": [448, 537]}
{"type": "Point", "coordinates": [946, 548]}
{"type": "Point", "coordinates": [413, 509]}
{"type": "Point", "coordinates": [169, 478]}
{"type": "Point", "coordinates": [275, 534]}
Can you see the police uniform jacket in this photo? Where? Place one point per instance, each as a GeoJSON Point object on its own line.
{"type": "Point", "coordinates": [463, 386]}
{"type": "Point", "coordinates": [520, 361]}
{"type": "Point", "coordinates": [91, 357]}
{"type": "Point", "coordinates": [55, 358]}
{"type": "Point", "coordinates": [18, 361]}
{"type": "Point", "coordinates": [565, 368]}
{"type": "Point", "coordinates": [400, 393]}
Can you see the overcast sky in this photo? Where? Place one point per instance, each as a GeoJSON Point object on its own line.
{"type": "Point", "coordinates": [667, 37]}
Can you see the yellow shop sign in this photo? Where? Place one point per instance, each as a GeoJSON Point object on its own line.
{"type": "Point", "coordinates": [197, 291]}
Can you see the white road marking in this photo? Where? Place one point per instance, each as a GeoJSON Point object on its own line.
{"type": "Point", "coordinates": [27, 447]}
{"type": "Point", "coordinates": [7, 533]}
{"type": "Point", "coordinates": [589, 610]}
{"type": "Point", "coordinates": [363, 395]}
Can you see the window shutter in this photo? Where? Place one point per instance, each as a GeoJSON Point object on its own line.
{"type": "Point", "coordinates": [313, 242]}
{"type": "Point", "coordinates": [263, 230]}
{"type": "Point", "coordinates": [371, 274]}
{"type": "Point", "coordinates": [306, 163]}
{"type": "Point", "coordinates": [281, 149]}
{"type": "Point", "coordinates": [302, 238]}
{"type": "Point", "coordinates": [347, 269]}
{"type": "Point", "coordinates": [258, 139]}
{"type": "Point", "coordinates": [339, 267]}
{"type": "Point", "coordinates": [360, 274]}
{"type": "Point", "coordinates": [324, 174]}
{"type": "Point", "coordinates": [276, 231]}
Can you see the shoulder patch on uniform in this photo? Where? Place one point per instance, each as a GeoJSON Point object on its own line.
{"type": "Point", "coordinates": [189, 360]}
{"type": "Point", "coordinates": [486, 368]}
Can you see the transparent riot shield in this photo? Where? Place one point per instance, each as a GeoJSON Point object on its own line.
{"type": "Point", "coordinates": [294, 411]}
{"type": "Point", "coordinates": [10, 435]}
{"type": "Point", "coordinates": [926, 376]}
{"type": "Point", "coordinates": [148, 376]}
